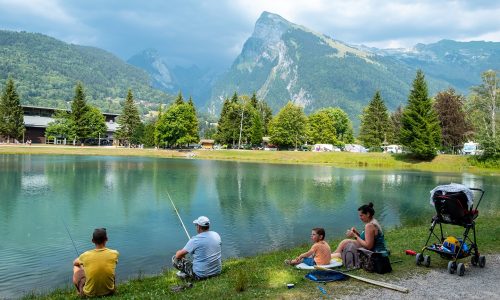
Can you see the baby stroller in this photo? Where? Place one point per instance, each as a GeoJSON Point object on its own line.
{"type": "Point", "coordinates": [454, 205]}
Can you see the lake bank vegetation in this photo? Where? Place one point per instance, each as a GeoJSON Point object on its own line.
{"type": "Point", "coordinates": [424, 126]}
{"type": "Point", "coordinates": [264, 276]}
{"type": "Point", "coordinates": [368, 161]}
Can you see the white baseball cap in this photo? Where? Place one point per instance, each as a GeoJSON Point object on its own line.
{"type": "Point", "coordinates": [202, 221]}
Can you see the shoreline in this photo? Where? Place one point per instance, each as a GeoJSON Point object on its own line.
{"type": "Point", "coordinates": [264, 276]}
{"type": "Point", "coordinates": [365, 161]}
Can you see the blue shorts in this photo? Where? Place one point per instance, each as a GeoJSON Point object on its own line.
{"type": "Point", "coordinates": [309, 261]}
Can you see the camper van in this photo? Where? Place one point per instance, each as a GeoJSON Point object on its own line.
{"type": "Point", "coordinates": [471, 148]}
{"type": "Point", "coordinates": [393, 149]}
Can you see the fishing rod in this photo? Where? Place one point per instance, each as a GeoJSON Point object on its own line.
{"type": "Point", "coordinates": [69, 234]}
{"type": "Point", "coordinates": [180, 219]}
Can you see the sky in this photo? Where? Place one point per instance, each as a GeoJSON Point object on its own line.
{"type": "Point", "coordinates": [211, 33]}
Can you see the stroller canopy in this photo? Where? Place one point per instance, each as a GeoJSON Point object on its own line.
{"type": "Point", "coordinates": [454, 188]}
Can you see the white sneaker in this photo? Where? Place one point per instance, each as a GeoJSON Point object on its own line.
{"type": "Point", "coordinates": [181, 274]}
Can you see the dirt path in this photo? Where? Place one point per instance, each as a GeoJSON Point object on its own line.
{"type": "Point", "coordinates": [438, 284]}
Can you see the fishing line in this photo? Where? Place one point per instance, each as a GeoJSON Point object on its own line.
{"type": "Point", "coordinates": [180, 219]}
{"type": "Point", "coordinates": [69, 234]}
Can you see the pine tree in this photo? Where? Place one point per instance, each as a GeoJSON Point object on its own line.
{"type": "Point", "coordinates": [420, 130]}
{"type": "Point", "coordinates": [254, 101]}
{"type": "Point", "coordinates": [79, 109]}
{"type": "Point", "coordinates": [129, 121]}
{"type": "Point", "coordinates": [11, 113]}
{"type": "Point", "coordinates": [179, 99]}
{"type": "Point", "coordinates": [454, 126]}
{"type": "Point", "coordinates": [374, 123]}
{"type": "Point", "coordinates": [234, 99]}
{"type": "Point", "coordinates": [228, 128]}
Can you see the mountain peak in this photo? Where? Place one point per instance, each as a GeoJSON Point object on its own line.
{"type": "Point", "coordinates": [270, 26]}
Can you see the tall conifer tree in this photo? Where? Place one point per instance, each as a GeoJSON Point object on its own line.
{"type": "Point", "coordinates": [79, 110]}
{"type": "Point", "coordinates": [11, 113]}
{"type": "Point", "coordinates": [129, 120]}
{"type": "Point", "coordinates": [420, 130]}
{"type": "Point", "coordinates": [374, 123]}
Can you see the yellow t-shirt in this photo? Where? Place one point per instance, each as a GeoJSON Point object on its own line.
{"type": "Point", "coordinates": [99, 266]}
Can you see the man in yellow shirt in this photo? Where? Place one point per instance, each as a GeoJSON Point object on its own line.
{"type": "Point", "coordinates": [94, 270]}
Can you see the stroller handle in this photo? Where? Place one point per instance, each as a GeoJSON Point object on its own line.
{"type": "Point", "coordinates": [480, 198]}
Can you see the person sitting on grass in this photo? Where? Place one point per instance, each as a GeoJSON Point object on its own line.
{"type": "Point", "coordinates": [206, 250]}
{"type": "Point", "coordinates": [94, 270]}
{"type": "Point", "coordinates": [319, 254]}
{"type": "Point", "coordinates": [372, 238]}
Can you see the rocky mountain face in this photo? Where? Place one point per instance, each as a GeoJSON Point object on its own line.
{"type": "Point", "coordinates": [283, 61]}
{"type": "Point", "coordinates": [191, 81]}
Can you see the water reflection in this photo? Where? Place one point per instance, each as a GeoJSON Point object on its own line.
{"type": "Point", "coordinates": [255, 208]}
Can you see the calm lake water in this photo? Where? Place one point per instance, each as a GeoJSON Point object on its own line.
{"type": "Point", "coordinates": [254, 207]}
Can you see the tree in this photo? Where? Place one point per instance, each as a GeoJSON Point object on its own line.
{"type": "Point", "coordinates": [148, 138]}
{"type": "Point", "coordinates": [374, 123]}
{"type": "Point", "coordinates": [256, 131]}
{"type": "Point", "coordinates": [342, 125]}
{"type": "Point", "coordinates": [321, 128]}
{"type": "Point", "coordinates": [62, 127]}
{"type": "Point", "coordinates": [96, 122]}
{"type": "Point", "coordinates": [395, 126]}
{"type": "Point", "coordinates": [11, 113]}
{"type": "Point", "coordinates": [78, 110]}
{"type": "Point", "coordinates": [228, 128]}
{"type": "Point", "coordinates": [178, 126]}
{"type": "Point", "coordinates": [179, 100]}
{"type": "Point", "coordinates": [483, 107]}
{"type": "Point", "coordinates": [266, 114]}
{"type": "Point", "coordinates": [288, 127]}
{"type": "Point", "coordinates": [452, 119]}
{"type": "Point", "coordinates": [129, 121]}
{"type": "Point", "coordinates": [420, 130]}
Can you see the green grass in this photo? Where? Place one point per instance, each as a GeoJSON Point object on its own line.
{"type": "Point", "coordinates": [441, 163]}
{"type": "Point", "coordinates": [265, 276]}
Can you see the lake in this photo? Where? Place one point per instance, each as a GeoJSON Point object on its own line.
{"type": "Point", "coordinates": [46, 202]}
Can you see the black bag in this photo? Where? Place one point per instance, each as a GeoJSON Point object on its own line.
{"type": "Point", "coordinates": [374, 261]}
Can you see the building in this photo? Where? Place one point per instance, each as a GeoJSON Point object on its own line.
{"type": "Point", "coordinates": [36, 120]}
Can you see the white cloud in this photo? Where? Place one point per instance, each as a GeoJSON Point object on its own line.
{"type": "Point", "coordinates": [49, 10]}
{"type": "Point", "coordinates": [385, 23]}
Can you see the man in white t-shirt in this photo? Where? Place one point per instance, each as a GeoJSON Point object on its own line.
{"type": "Point", "coordinates": [205, 248]}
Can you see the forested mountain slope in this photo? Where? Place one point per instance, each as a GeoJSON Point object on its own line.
{"type": "Point", "coordinates": [46, 71]}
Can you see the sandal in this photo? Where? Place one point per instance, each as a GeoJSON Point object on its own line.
{"type": "Point", "coordinates": [288, 262]}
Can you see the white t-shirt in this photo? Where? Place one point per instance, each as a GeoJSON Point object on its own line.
{"type": "Point", "coordinates": [206, 250]}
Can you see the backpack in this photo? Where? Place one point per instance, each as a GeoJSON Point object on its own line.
{"type": "Point", "coordinates": [350, 256]}
{"type": "Point", "coordinates": [374, 261]}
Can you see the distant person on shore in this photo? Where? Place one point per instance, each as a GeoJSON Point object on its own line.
{"type": "Point", "coordinates": [372, 238]}
{"type": "Point", "coordinates": [205, 247]}
{"type": "Point", "coordinates": [319, 254]}
{"type": "Point", "coordinates": [94, 270]}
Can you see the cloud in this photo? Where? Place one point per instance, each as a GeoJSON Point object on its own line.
{"type": "Point", "coordinates": [212, 32]}
{"type": "Point", "coordinates": [49, 10]}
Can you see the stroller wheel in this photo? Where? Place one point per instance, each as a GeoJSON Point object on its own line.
{"type": "Point", "coordinates": [482, 261]}
{"type": "Point", "coordinates": [474, 260]}
{"type": "Point", "coordinates": [452, 266]}
{"type": "Point", "coordinates": [419, 258]}
{"type": "Point", "coordinates": [461, 269]}
{"type": "Point", "coordinates": [427, 260]}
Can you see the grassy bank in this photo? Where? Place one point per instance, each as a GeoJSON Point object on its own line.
{"type": "Point", "coordinates": [265, 276]}
{"type": "Point", "coordinates": [442, 163]}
